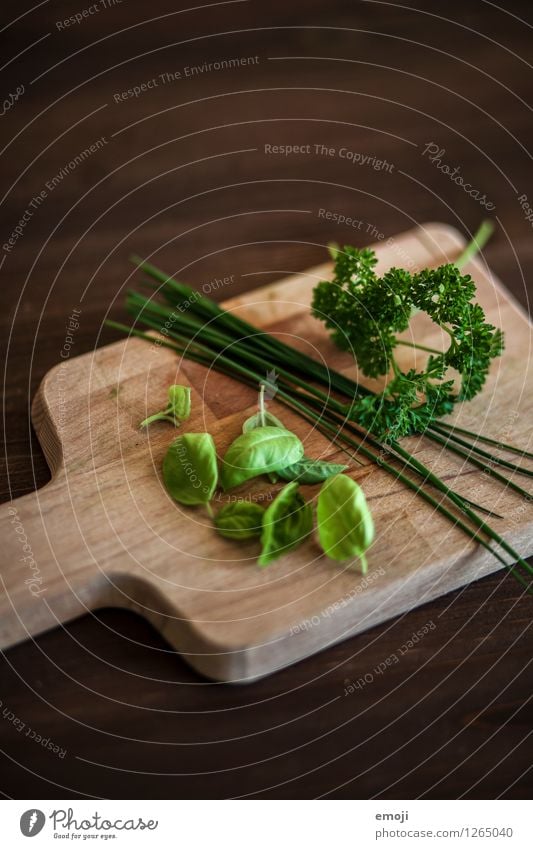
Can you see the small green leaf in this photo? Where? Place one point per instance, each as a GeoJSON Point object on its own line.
{"type": "Point", "coordinates": [178, 410]}
{"type": "Point", "coordinates": [286, 523]}
{"type": "Point", "coordinates": [190, 468]}
{"type": "Point", "coordinates": [310, 471]}
{"type": "Point", "coordinates": [345, 525]}
{"type": "Point", "coordinates": [258, 452]}
{"type": "Point", "coordinates": [261, 419]}
{"type": "Point", "coordinates": [179, 399]}
{"type": "Point", "coordinates": [240, 520]}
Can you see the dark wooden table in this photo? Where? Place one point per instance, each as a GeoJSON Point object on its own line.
{"type": "Point", "coordinates": [181, 168]}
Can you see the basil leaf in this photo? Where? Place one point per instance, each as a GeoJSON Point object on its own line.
{"type": "Point", "coordinates": [286, 523]}
{"type": "Point", "coordinates": [179, 399]}
{"type": "Point", "coordinates": [310, 471]}
{"type": "Point", "coordinates": [239, 520]}
{"type": "Point", "coordinates": [261, 419]}
{"type": "Point", "coordinates": [178, 410]}
{"type": "Point", "coordinates": [345, 525]}
{"type": "Point", "coordinates": [258, 452]}
{"type": "Point", "coordinates": [190, 468]}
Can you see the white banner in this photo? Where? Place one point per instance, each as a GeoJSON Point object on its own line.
{"type": "Point", "coordinates": [266, 824]}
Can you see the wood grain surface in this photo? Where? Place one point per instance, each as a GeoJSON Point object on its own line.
{"type": "Point", "coordinates": [451, 716]}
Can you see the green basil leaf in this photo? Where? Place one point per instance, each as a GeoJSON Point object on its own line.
{"type": "Point", "coordinates": [310, 471]}
{"type": "Point", "coordinates": [258, 452]}
{"type": "Point", "coordinates": [240, 520]}
{"type": "Point", "coordinates": [261, 419]}
{"type": "Point", "coordinates": [190, 468]}
{"type": "Point", "coordinates": [344, 520]}
{"type": "Point", "coordinates": [286, 523]}
{"type": "Point", "coordinates": [178, 410]}
{"type": "Point", "coordinates": [179, 399]}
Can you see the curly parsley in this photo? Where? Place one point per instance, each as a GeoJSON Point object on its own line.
{"type": "Point", "coordinates": [365, 313]}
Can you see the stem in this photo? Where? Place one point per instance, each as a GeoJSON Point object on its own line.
{"type": "Point", "coordinates": [504, 446]}
{"type": "Point", "coordinates": [488, 470]}
{"type": "Point", "coordinates": [418, 346]}
{"type": "Point", "coordinates": [158, 417]}
{"type": "Point", "coordinates": [478, 242]}
{"type": "Point", "coordinates": [498, 461]}
{"type": "Point", "coordinates": [450, 334]}
{"type": "Point", "coordinates": [395, 367]}
{"type": "Point", "coordinates": [262, 404]}
{"type": "Point", "coordinates": [225, 342]}
{"type": "Point", "coordinates": [468, 512]}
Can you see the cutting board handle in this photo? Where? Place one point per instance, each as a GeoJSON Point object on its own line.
{"type": "Point", "coordinates": [36, 592]}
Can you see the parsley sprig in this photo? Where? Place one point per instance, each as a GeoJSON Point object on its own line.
{"type": "Point", "coordinates": [366, 312]}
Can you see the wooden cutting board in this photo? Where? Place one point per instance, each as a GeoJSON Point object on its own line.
{"type": "Point", "coordinates": [104, 532]}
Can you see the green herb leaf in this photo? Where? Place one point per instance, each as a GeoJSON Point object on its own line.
{"type": "Point", "coordinates": [258, 452]}
{"type": "Point", "coordinates": [286, 523]}
{"type": "Point", "coordinates": [310, 471]}
{"type": "Point", "coordinates": [179, 398]}
{"type": "Point", "coordinates": [261, 419]}
{"type": "Point", "coordinates": [345, 525]}
{"type": "Point", "coordinates": [190, 468]}
{"type": "Point", "coordinates": [178, 410]}
{"type": "Point", "coordinates": [240, 520]}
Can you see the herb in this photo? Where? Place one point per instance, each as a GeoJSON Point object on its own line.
{"type": "Point", "coordinates": [190, 468]}
{"type": "Point", "coordinates": [240, 520]}
{"type": "Point", "coordinates": [257, 452]}
{"type": "Point", "coordinates": [178, 410]}
{"type": "Point", "coordinates": [365, 312]}
{"type": "Point", "coordinates": [344, 520]}
{"type": "Point", "coordinates": [308, 471]}
{"type": "Point", "coordinates": [263, 418]}
{"type": "Point", "coordinates": [286, 523]}
{"type": "Point", "coordinates": [207, 334]}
